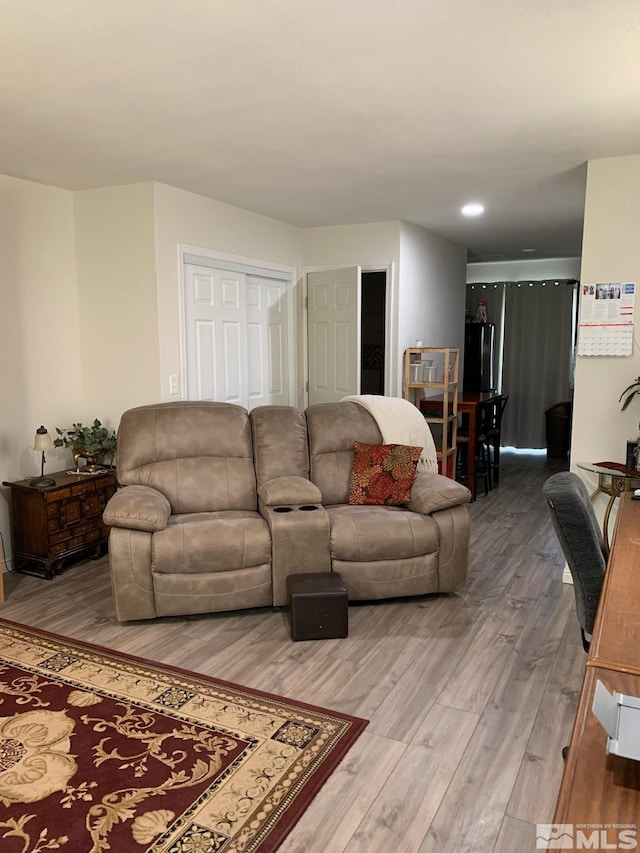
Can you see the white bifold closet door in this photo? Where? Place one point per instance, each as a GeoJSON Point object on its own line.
{"type": "Point", "coordinates": [236, 337]}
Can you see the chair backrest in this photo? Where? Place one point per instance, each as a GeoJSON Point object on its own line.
{"type": "Point", "coordinates": [579, 535]}
{"type": "Point", "coordinates": [495, 412]}
{"type": "Point", "coordinates": [498, 411]}
{"type": "Point", "coordinates": [198, 454]}
{"type": "Point", "coordinates": [484, 419]}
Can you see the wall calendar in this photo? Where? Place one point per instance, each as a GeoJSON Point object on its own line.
{"type": "Point", "coordinates": [606, 318]}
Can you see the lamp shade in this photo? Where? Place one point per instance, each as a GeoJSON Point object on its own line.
{"type": "Point", "coordinates": [42, 440]}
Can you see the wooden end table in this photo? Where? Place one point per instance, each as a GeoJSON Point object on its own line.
{"type": "Point", "coordinates": [56, 523]}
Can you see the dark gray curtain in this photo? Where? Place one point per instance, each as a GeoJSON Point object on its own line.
{"type": "Point", "coordinates": [537, 357]}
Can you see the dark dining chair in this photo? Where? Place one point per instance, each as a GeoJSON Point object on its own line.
{"type": "Point", "coordinates": [581, 541]}
{"type": "Point", "coordinates": [481, 449]}
{"type": "Point", "coordinates": [494, 438]}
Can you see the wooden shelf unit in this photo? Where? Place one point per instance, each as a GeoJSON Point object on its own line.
{"type": "Point", "coordinates": [445, 403]}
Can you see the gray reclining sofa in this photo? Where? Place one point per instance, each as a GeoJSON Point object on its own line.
{"type": "Point", "coordinates": [217, 506]}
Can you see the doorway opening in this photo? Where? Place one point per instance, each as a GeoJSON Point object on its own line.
{"type": "Point", "coordinates": [372, 331]}
{"type": "Point", "coordinates": [349, 339]}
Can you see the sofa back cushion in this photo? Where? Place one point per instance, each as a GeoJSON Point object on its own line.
{"type": "Point", "coordinates": [333, 429]}
{"type": "Point", "coordinates": [280, 446]}
{"type": "Point", "coordinates": [198, 454]}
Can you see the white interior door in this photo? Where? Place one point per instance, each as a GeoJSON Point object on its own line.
{"type": "Point", "coordinates": [267, 350]}
{"type": "Point", "coordinates": [334, 334]}
{"type": "Point", "coordinates": [236, 337]}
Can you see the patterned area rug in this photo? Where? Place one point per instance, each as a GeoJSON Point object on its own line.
{"type": "Point", "coordinates": [104, 752]}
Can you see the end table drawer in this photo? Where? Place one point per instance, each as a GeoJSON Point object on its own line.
{"type": "Point", "coordinates": [67, 545]}
{"type": "Point", "coordinates": [57, 495]}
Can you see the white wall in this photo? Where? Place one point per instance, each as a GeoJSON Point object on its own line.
{"type": "Point", "coordinates": [432, 291]}
{"type": "Point", "coordinates": [373, 245]}
{"type": "Point", "coordinates": [39, 327]}
{"type": "Point", "coordinates": [117, 301]}
{"type": "Point", "coordinates": [531, 270]}
{"type": "Point", "coordinates": [611, 252]}
{"type": "Point", "coordinates": [186, 218]}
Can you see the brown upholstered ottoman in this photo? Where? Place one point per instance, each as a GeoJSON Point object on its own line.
{"type": "Point", "coordinates": [318, 606]}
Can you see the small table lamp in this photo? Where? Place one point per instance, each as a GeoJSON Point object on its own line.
{"type": "Point", "coordinates": [42, 442]}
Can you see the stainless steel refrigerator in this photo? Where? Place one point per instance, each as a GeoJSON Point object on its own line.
{"type": "Point", "coordinates": [479, 357]}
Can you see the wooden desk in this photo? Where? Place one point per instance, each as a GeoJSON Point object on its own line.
{"type": "Point", "coordinates": [616, 634]}
{"type": "Point", "coordinates": [468, 404]}
{"type": "Point", "coordinates": [597, 788]}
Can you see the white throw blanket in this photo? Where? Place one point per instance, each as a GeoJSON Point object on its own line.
{"type": "Point", "coordinates": [400, 422]}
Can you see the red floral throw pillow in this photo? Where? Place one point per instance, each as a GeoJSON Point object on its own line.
{"type": "Point", "coordinates": [383, 473]}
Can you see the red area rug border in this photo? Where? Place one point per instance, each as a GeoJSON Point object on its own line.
{"type": "Point", "coordinates": [290, 817]}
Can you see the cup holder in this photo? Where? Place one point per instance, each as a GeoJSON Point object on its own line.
{"type": "Point", "coordinates": [282, 509]}
{"type": "Point", "coordinates": [307, 508]}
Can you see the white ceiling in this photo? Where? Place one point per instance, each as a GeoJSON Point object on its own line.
{"type": "Point", "coordinates": [327, 112]}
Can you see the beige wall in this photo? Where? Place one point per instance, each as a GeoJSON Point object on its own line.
{"type": "Point", "coordinates": [432, 290]}
{"type": "Point", "coordinates": [189, 219]}
{"type": "Point", "coordinates": [39, 327]}
{"type": "Point", "coordinates": [372, 244]}
{"type": "Point", "coordinates": [536, 270]}
{"type": "Point", "coordinates": [611, 252]}
{"type": "Point", "coordinates": [117, 300]}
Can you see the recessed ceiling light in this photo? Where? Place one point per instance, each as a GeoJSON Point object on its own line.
{"type": "Point", "coordinates": [528, 250]}
{"type": "Point", "coordinates": [473, 209]}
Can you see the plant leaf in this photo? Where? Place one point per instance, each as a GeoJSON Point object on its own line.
{"type": "Point", "coordinates": [628, 400]}
{"type": "Point", "coordinates": [635, 384]}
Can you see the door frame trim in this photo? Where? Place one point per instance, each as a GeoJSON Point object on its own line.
{"type": "Point", "coordinates": [389, 326]}
{"type": "Point", "coordinates": [288, 275]}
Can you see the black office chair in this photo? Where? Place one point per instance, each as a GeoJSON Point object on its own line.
{"type": "Point", "coordinates": [581, 540]}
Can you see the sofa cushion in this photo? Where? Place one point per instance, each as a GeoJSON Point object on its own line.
{"type": "Point", "coordinates": [280, 447]}
{"type": "Point", "coordinates": [369, 533]}
{"type": "Point", "coordinates": [198, 454]}
{"type": "Point", "coordinates": [383, 473]}
{"type": "Point", "coordinates": [333, 428]}
{"type": "Point", "coordinates": [211, 542]}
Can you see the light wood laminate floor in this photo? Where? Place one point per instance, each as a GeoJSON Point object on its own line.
{"type": "Point", "coordinates": [470, 696]}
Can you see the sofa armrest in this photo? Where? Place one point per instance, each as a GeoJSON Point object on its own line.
{"type": "Point", "coordinates": [433, 492]}
{"type": "Point", "coordinates": [289, 490]}
{"type": "Point", "coordinates": [138, 508]}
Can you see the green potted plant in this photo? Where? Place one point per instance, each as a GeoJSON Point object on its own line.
{"type": "Point", "coordinates": [92, 443]}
